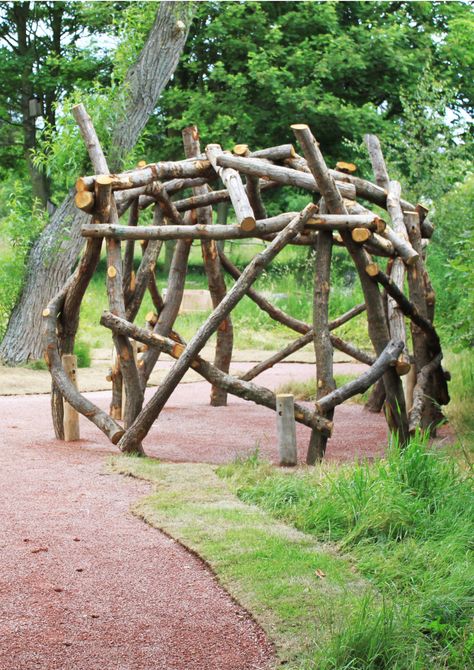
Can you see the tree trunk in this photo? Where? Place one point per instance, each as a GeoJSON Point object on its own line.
{"type": "Point", "coordinates": [55, 252]}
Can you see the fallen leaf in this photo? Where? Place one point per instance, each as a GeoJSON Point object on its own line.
{"type": "Point", "coordinates": [319, 573]}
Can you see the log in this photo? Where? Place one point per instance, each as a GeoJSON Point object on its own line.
{"type": "Point", "coordinates": [419, 393]}
{"type": "Point", "coordinates": [144, 277]}
{"type": "Point", "coordinates": [363, 189]}
{"type": "Point", "coordinates": [378, 330]}
{"type": "Point", "coordinates": [128, 258]}
{"type": "Point", "coordinates": [396, 320]}
{"type": "Point", "coordinates": [378, 162]}
{"type": "Point", "coordinates": [154, 172]}
{"type": "Point", "coordinates": [279, 153]}
{"type": "Point", "coordinates": [215, 277]}
{"type": "Point", "coordinates": [384, 362]}
{"type": "Point", "coordinates": [422, 350]}
{"type": "Point", "coordinates": [407, 307]}
{"type": "Point", "coordinates": [71, 417]}
{"type": "Point", "coordinates": [235, 187]}
{"type": "Point", "coordinates": [85, 200]}
{"type": "Point", "coordinates": [283, 175]}
{"type": "Point", "coordinates": [262, 228]}
{"type": "Point", "coordinates": [377, 398]}
{"type": "Point", "coordinates": [152, 410]}
{"type": "Point", "coordinates": [67, 389]}
{"type": "Point", "coordinates": [233, 385]}
{"type": "Point", "coordinates": [398, 236]}
{"type": "Point", "coordinates": [321, 341]}
{"type": "Point", "coordinates": [286, 429]}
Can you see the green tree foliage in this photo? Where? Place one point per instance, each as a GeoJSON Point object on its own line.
{"type": "Point", "coordinates": [46, 49]}
{"type": "Point", "coordinates": [450, 264]}
{"type": "Point", "coordinates": [250, 69]}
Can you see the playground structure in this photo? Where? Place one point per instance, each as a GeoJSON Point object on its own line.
{"type": "Point", "coordinates": [336, 219]}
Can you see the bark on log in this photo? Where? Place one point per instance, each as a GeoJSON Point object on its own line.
{"type": "Point", "coordinates": [396, 320]}
{"type": "Point", "coordinates": [286, 430]}
{"type": "Point", "coordinates": [384, 362]}
{"type": "Point", "coordinates": [50, 314]}
{"type": "Point", "coordinates": [378, 162]}
{"type": "Point", "coordinates": [376, 399]}
{"type": "Point", "coordinates": [215, 277]}
{"type": "Point", "coordinates": [71, 417]}
{"type": "Point", "coordinates": [419, 394]}
{"type": "Point", "coordinates": [242, 389]}
{"type": "Point", "coordinates": [257, 265]}
{"type": "Point", "coordinates": [321, 341]}
{"type": "Point", "coordinates": [378, 330]}
{"type": "Point", "coordinates": [233, 182]}
{"type": "Point", "coordinates": [259, 168]}
{"type": "Point", "coordinates": [150, 73]}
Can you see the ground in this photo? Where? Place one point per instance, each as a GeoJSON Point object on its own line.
{"type": "Point", "coordinates": [87, 585]}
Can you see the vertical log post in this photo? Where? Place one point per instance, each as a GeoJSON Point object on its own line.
{"type": "Point", "coordinates": [322, 341]}
{"type": "Point", "coordinates": [377, 324]}
{"type": "Point", "coordinates": [286, 428]}
{"type": "Point", "coordinates": [215, 276]}
{"type": "Point", "coordinates": [71, 417]}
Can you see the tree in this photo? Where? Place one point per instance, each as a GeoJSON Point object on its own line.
{"type": "Point", "coordinates": [341, 67]}
{"type": "Point", "coordinates": [55, 252]}
{"type": "Point", "coordinates": [40, 62]}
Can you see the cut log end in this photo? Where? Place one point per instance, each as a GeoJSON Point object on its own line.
{"type": "Point", "coordinates": [248, 224]}
{"type": "Point", "coordinates": [111, 272]}
{"type": "Point", "coordinates": [347, 168]}
{"type": "Point", "coordinates": [241, 149]}
{"type": "Point", "coordinates": [372, 269]}
{"type": "Point", "coordinates": [402, 366]}
{"type": "Point", "coordinates": [151, 318]}
{"type": "Point", "coordinates": [104, 180]}
{"type": "Point", "coordinates": [360, 235]}
{"type": "Point", "coordinates": [299, 126]}
{"type": "Point", "coordinates": [85, 201]}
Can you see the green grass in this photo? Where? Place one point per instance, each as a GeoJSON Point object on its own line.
{"type": "Point", "coordinates": [408, 522]}
{"type": "Point", "coordinates": [460, 411]}
{"type": "Point", "coordinates": [306, 390]}
{"type": "Point", "coordinates": [270, 568]}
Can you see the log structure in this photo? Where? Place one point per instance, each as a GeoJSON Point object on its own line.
{"type": "Point", "coordinates": [183, 194]}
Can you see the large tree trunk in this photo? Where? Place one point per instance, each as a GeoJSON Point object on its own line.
{"type": "Point", "coordinates": [55, 252]}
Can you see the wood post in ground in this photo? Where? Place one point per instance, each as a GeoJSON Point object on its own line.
{"type": "Point", "coordinates": [286, 429]}
{"type": "Point", "coordinates": [71, 417]}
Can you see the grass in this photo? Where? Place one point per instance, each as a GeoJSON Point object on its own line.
{"type": "Point", "coordinates": [408, 522]}
{"type": "Point", "coordinates": [306, 390]}
{"type": "Point", "coordinates": [300, 590]}
{"type": "Point", "coordinates": [460, 411]}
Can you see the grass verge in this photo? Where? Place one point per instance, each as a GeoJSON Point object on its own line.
{"type": "Point", "coordinates": [408, 521]}
{"type": "Point", "coordinates": [300, 590]}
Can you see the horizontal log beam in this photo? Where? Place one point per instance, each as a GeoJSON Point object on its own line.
{"type": "Point", "coordinates": [150, 173]}
{"type": "Point", "coordinates": [262, 228]}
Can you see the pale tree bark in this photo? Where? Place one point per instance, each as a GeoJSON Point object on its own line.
{"type": "Point", "coordinates": [54, 254]}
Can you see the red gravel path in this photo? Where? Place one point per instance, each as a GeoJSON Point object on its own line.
{"type": "Point", "coordinates": [84, 585]}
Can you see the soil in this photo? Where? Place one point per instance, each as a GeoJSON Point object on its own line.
{"type": "Point", "coordinates": [86, 585]}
